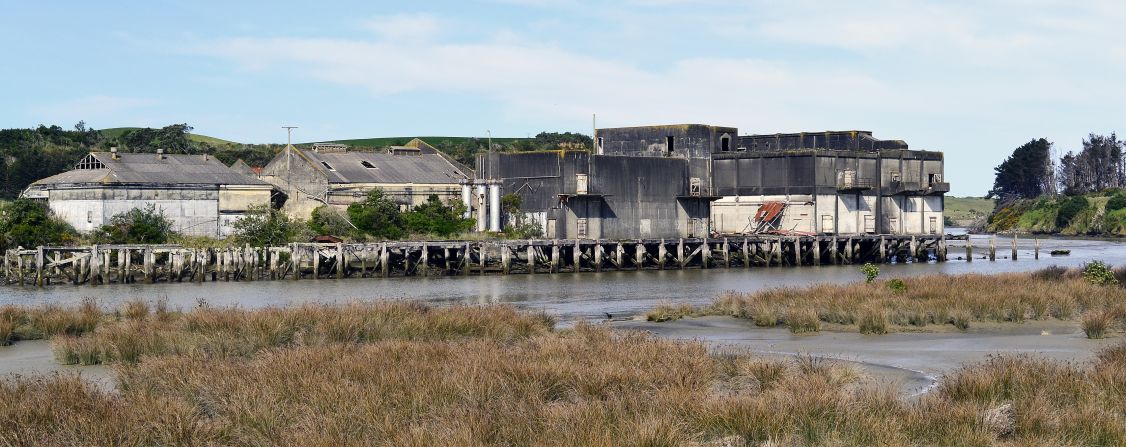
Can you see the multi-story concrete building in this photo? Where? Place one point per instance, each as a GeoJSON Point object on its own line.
{"type": "Point", "coordinates": [693, 180]}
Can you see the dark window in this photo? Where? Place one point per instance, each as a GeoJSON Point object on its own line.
{"type": "Point", "coordinates": [669, 144]}
{"type": "Point", "coordinates": [725, 144]}
{"type": "Point", "coordinates": [367, 165]}
{"type": "Point", "coordinates": [327, 166]}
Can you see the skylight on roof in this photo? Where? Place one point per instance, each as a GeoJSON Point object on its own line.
{"type": "Point", "coordinates": [368, 165]}
{"type": "Point", "coordinates": [330, 168]}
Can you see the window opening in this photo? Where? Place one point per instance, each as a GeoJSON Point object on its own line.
{"type": "Point", "coordinates": [368, 165]}
{"type": "Point", "coordinates": [669, 144]}
{"type": "Point", "coordinates": [327, 166]}
{"type": "Point", "coordinates": [725, 144]}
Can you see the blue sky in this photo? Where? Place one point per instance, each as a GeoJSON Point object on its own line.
{"type": "Point", "coordinates": [973, 79]}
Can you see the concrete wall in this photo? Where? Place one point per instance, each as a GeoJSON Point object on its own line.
{"type": "Point", "coordinates": [206, 212]}
{"type": "Point", "coordinates": [627, 197]}
{"type": "Point", "coordinates": [899, 177]}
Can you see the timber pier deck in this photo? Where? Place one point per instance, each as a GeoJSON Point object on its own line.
{"type": "Point", "coordinates": [105, 264]}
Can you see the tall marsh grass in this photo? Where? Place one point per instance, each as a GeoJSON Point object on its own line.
{"type": "Point", "coordinates": [961, 300]}
{"type": "Point", "coordinates": [409, 375]}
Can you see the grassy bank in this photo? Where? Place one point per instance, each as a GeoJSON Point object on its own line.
{"type": "Point", "coordinates": [402, 374]}
{"type": "Point", "coordinates": [927, 303]}
{"type": "Point", "coordinates": [967, 211]}
{"type": "Point", "coordinates": [1095, 214]}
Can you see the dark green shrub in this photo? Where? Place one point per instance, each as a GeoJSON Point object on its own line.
{"type": "Point", "coordinates": [897, 285]}
{"type": "Point", "coordinates": [265, 226]}
{"type": "Point", "coordinates": [136, 226]}
{"type": "Point", "coordinates": [1069, 208]}
{"type": "Point", "coordinates": [1116, 203]}
{"type": "Point", "coordinates": [870, 271]}
{"type": "Point", "coordinates": [1097, 272]}
{"type": "Point", "coordinates": [377, 215]}
{"type": "Point", "coordinates": [29, 223]}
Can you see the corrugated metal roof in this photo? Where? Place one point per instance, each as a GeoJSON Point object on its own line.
{"type": "Point", "coordinates": [151, 168]}
{"type": "Point", "coordinates": [369, 167]}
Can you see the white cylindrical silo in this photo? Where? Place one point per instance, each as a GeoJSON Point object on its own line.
{"type": "Point", "coordinates": [467, 200]}
{"type": "Point", "coordinates": [482, 201]}
{"type": "Point", "coordinates": [494, 207]}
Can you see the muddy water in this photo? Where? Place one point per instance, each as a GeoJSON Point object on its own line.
{"type": "Point", "coordinates": [568, 296]}
{"type": "Point", "coordinates": [913, 361]}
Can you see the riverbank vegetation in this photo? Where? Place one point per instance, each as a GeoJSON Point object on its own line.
{"type": "Point", "coordinates": [1082, 193]}
{"type": "Point", "coordinates": [1093, 297]}
{"type": "Point", "coordinates": [407, 374]}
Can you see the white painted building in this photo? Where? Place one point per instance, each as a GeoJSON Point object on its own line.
{"type": "Point", "coordinates": [199, 194]}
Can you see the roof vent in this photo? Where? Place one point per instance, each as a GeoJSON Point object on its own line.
{"type": "Point", "coordinates": [160, 154]}
{"type": "Point", "coordinates": [113, 153]}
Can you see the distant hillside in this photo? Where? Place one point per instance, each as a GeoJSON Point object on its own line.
{"type": "Point", "coordinates": [966, 211]}
{"type": "Point", "coordinates": [117, 132]}
{"type": "Point", "coordinates": [399, 141]}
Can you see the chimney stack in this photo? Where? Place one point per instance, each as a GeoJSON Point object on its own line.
{"type": "Point", "coordinates": [113, 152]}
{"type": "Point", "coordinates": [160, 154]}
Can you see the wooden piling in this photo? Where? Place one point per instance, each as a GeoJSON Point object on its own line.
{"type": "Point", "coordinates": [639, 254]}
{"type": "Point", "coordinates": [705, 254]}
{"type": "Point", "coordinates": [554, 256]}
{"type": "Point", "coordinates": [340, 259]}
{"type": "Point", "coordinates": [1036, 252]}
{"type": "Point", "coordinates": [797, 252]}
{"type": "Point", "coordinates": [993, 248]}
{"type": "Point", "coordinates": [597, 258]}
{"type": "Point", "coordinates": [577, 255]}
{"type": "Point", "coordinates": [1014, 253]}
{"type": "Point", "coordinates": [531, 258]}
{"type": "Point", "coordinates": [680, 260]}
{"type": "Point", "coordinates": [662, 255]}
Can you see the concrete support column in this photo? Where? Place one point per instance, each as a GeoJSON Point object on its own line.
{"type": "Point", "coordinates": [577, 254]}
{"type": "Point", "coordinates": [505, 258]}
{"type": "Point", "coordinates": [384, 261]}
{"type": "Point", "coordinates": [816, 250]}
{"type": "Point", "coordinates": [705, 254]}
{"type": "Point", "coordinates": [662, 255]}
{"type": "Point", "coordinates": [680, 259]}
{"type": "Point", "coordinates": [797, 252]}
{"type": "Point", "coordinates": [597, 256]}
{"type": "Point", "coordinates": [639, 255]}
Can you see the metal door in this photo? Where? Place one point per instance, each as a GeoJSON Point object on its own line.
{"type": "Point", "coordinates": [827, 223]}
{"type": "Point", "coordinates": [869, 223]}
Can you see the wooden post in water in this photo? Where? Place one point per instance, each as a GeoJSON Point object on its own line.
{"type": "Point", "coordinates": [816, 250]}
{"type": "Point", "coordinates": [577, 256]}
{"type": "Point", "coordinates": [598, 253]}
{"type": "Point", "coordinates": [1036, 253]}
{"type": "Point", "coordinates": [797, 251]}
{"type": "Point", "coordinates": [95, 266]}
{"type": "Point", "coordinates": [941, 248]}
{"type": "Point", "coordinates": [726, 254]}
{"type": "Point", "coordinates": [883, 249]}
{"type": "Point", "coordinates": [969, 249]}
{"type": "Point", "coordinates": [746, 253]}
{"type": "Point", "coordinates": [662, 254]}
{"type": "Point", "coordinates": [848, 250]}
{"type": "Point", "coordinates": [385, 260]}
{"type": "Point", "coordinates": [505, 258]}
{"type": "Point", "coordinates": [315, 249]}
{"type": "Point", "coordinates": [39, 266]}
{"type": "Point", "coordinates": [146, 265]}
{"type": "Point", "coordinates": [705, 254]}
{"type": "Point", "coordinates": [554, 256]}
{"type": "Point", "coordinates": [993, 248]}
{"type": "Point", "coordinates": [620, 254]}
{"type": "Point", "coordinates": [680, 253]}
{"type": "Point", "coordinates": [531, 258]}
{"type": "Point", "coordinates": [295, 259]}
{"type": "Point", "coordinates": [1014, 255]}
{"type": "Point", "coordinates": [340, 259]}
{"type": "Point", "coordinates": [639, 253]}
{"type": "Point", "coordinates": [833, 251]}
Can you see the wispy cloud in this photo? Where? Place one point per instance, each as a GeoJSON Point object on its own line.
{"type": "Point", "coordinates": [405, 27]}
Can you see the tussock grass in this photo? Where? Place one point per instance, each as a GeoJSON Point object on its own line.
{"type": "Point", "coordinates": [211, 332]}
{"type": "Point", "coordinates": [408, 375]}
{"type": "Point", "coordinates": [20, 323]}
{"type": "Point", "coordinates": [669, 312]}
{"type": "Point", "coordinates": [961, 300]}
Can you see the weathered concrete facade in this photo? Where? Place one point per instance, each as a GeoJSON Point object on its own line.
{"type": "Point", "coordinates": [198, 194]}
{"type": "Point", "coordinates": [309, 179]}
{"type": "Point", "coordinates": [575, 194]}
{"type": "Point", "coordinates": [693, 180]}
{"type": "Point", "coordinates": [894, 191]}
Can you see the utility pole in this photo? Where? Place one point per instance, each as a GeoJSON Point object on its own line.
{"type": "Point", "coordinates": [288, 144]}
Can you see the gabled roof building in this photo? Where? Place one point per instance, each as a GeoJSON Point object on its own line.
{"type": "Point", "coordinates": [199, 194]}
{"type": "Point", "coordinates": [308, 179]}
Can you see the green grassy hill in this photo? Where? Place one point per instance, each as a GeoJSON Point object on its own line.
{"type": "Point", "coordinates": [964, 211]}
{"type": "Point", "coordinates": [116, 132]}
{"type": "Point", "coordinates": [399, 141]}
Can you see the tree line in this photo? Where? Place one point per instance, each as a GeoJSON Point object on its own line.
{"type": "Point", "coordinates": [27, 155]}
{"type": "Point", "coordinates": [1031, 170]}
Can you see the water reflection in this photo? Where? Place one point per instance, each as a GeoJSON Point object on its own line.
{"type": "Point", "coordinates": [569, 296]}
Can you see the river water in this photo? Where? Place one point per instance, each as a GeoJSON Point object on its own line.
{"type": "Point", "coordinates": [569, 297]}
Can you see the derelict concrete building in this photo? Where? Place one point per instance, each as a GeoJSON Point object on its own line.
{"type": "Point", "coordinates": [694, 180]}
{"type": "Point", "coordinates": [334, 175]}
{"type": "Point", "coordinates": [197, 193]}
{"type": "Point", "coordinates": [642, 182]}
{"type": "Point", "coordinates": [827, 183]}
